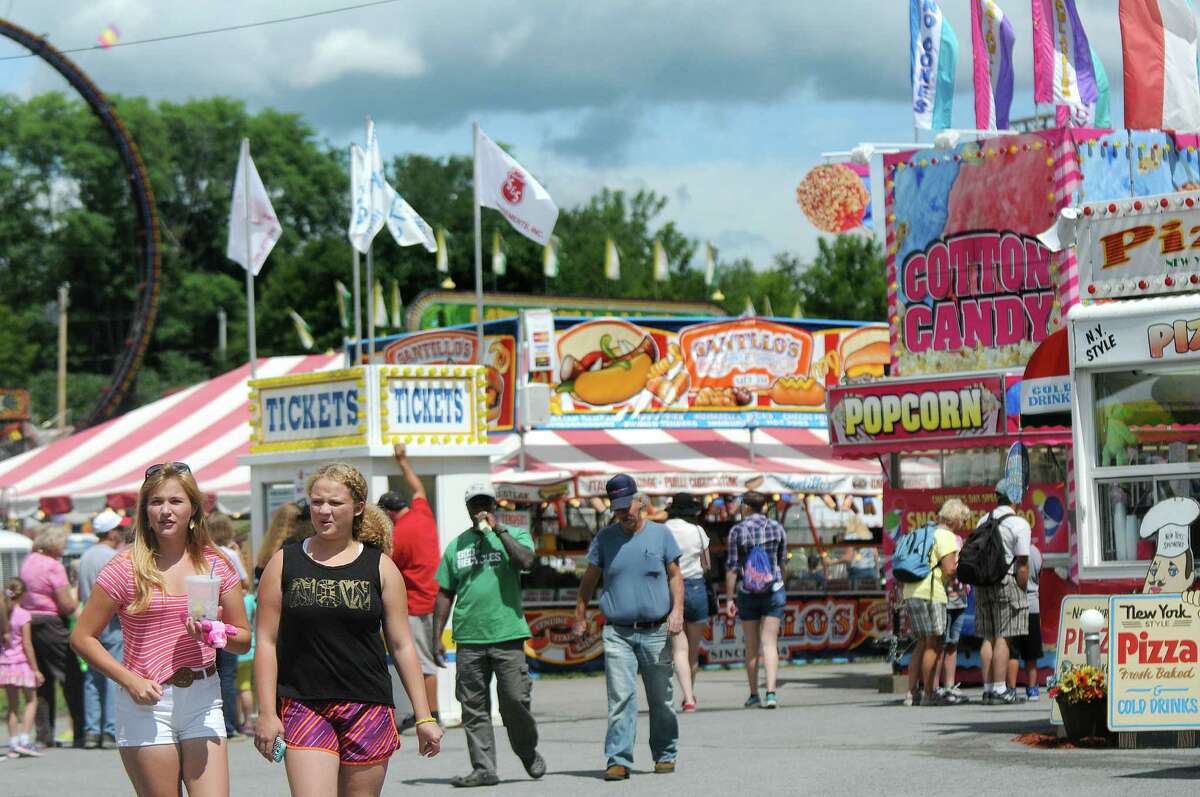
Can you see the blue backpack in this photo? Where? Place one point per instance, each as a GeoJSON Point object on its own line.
{"type": "Point", "coordinates": [758, 572]}
{"type": "Point", "coordinates": [910, 562]}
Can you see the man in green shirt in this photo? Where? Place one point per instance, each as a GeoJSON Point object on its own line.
{"type": "Point", "coordinates": [480, 574]}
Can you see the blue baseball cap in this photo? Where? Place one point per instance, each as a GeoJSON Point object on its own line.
{"type": "Point", "coordinates": [621, 489]}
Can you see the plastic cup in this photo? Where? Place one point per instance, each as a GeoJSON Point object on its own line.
{"type": "Point", "coordinates": [204, 595]}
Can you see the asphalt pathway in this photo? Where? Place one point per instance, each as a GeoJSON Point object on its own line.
{"type": "Point", "coordinates": [833, 734]}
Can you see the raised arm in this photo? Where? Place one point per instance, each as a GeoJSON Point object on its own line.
{"type": "Point", "coordinates": [518, 553]}
{"type": "Point", "coordinates": [410, 476]}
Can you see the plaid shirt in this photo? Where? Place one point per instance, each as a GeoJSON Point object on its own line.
{"type": "Point", "coordinates": [757, 530]}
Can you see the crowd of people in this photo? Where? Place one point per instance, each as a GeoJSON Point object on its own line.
{"type": "Point", "coordinates": [297, 656]}
{"type": "Point", "coordinates": [1007, 619]}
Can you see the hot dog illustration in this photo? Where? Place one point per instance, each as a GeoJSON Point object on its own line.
{"type": "Point", "coordinates": [605, 362]}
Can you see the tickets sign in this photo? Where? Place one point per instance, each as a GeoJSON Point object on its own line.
{"type": "Point", "coordinates": [308, 411]}
{"type": "Point", "coordinates": [897, 413]}
{"type": "Point", "coordinates": [1153, 663]}
{"type": "Point", "coordinates": [970, 285]}
{"type": "Point", "coordinates": [1070, 652]}
{"type": "Point", "coordinates": [433, 404]}
{"type": "Point", "coordinates": [1043, 508]}
{"type": "Point", "coordinates": [457, 347]}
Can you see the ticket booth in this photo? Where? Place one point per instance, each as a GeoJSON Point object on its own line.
{"type": "Point", "coordinates": [357, 415]}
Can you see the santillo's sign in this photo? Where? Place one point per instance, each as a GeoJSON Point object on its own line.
{"type": "Point", "coordinates": [308, 411]}
{"type": "Point", "coordinates": [927, 410]}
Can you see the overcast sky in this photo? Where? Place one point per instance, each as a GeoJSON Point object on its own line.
{"type": "Point", "coordinates": [720, 106]}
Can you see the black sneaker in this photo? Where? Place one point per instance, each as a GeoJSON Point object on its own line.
{"type": "Point", "coordinates": [475, 779]}
{"type": "Point", "coordinates": [1008, 698]}
{"type": "Point", "coordinates": [536, 766]}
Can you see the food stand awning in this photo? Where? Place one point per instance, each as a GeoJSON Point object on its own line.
{"type": "Point", "coordinates": [686, 460]}
{"type": "Point", "coordinates": [204, 425]}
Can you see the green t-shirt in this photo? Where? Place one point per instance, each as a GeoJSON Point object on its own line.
{"type": "Point", "coordinates": [487, 586]}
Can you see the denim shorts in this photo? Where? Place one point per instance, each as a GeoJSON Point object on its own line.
{"type": "Point", "coordinates": [757, 605]}
{"type": "Point", "coordinates": [695, 601]}
{"type": "Point", "coordinates": [955, 620]}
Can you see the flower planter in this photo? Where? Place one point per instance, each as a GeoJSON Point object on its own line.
{"type": "Point", "coordinates": [1081, 720]}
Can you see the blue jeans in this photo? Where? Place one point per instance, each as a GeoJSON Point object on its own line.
{"type": "Point", "coordinates": [99, 711]}
{"type": "Point", "coordinates": [628, 652]}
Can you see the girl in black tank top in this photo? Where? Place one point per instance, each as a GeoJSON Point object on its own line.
{"type": "Point", "coordinates": [330, 645]}
{"type": "Point", "coordinates": [325, 608]}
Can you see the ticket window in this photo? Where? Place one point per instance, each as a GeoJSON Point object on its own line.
{"type": "Point", "coordinates": [1146, 428]}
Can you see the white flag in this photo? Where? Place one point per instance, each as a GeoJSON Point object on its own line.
{"type": "Point", "coordinates": [550, 260]}
{"type": "Point", "coordinates": [503, 184]}
{"type": "Point", "coordinates": [263, 229]}
{"type": "Point", "coordinates": [612, 261]}
{"type": "Point", "coordinates": [364, 225]}
{"type": "Point", "coordinates": [662, 271]}
{"type": "Point", "coordinates": [710, 264]}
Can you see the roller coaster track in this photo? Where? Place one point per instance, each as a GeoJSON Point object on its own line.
{"type": "Point", "coordinates": [143, 196]}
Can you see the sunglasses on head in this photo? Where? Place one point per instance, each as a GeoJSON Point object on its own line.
{"type": "Point", "coordinates": [181, 467]}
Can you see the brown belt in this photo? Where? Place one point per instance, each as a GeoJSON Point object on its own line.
{"type": "Point", "coordinates": [184, 676]}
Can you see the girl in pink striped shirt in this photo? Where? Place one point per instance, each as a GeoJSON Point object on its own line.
{"type": "Point", "coordinates": [170, 729]}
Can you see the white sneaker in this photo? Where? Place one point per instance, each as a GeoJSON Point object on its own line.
{"type": "Point", "coordinates": [908, 698]}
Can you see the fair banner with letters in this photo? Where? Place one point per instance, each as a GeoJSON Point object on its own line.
{"type": "Point", "coordinates": [730, 373]}
{"type": "Point", "coordinates": [1169, 334]}
{"type": "Point", "coordinates": [1153, 663]}
{"type": "Point", "coordinates": [970, 287]}
{"type": "Point", "coordinates": [1132, 247]}
{"type": "Point", "coordinates": [1069, 649]}
{"type": "Point", "coordinates": [317, 410]}
{"type": "Point", "coordinates": [433, 404]}
{"type": "Point", "coordinates": [894, 415]}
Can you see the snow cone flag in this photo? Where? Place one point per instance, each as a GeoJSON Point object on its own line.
{"type": "Point", "coordinates": [1063, 70]}
{"type": "Point", "coordinates": [252, 233]}
{"type": "Point", "coordinates": [992, 40]}
{"type": "Point", "coordinates": [503, 184]}
{"type": "Point", "coordinates": [612, 261]}
{"type": "Point", "coordinates": [662, 271]}
{"type": "Point", "coordinates": [306, 337]}
{"type": "Point", "coordinates": [550, 260]}
{"type": "Point", "coordinates": [1158, 46]}
{"type": "Point", "coordinates": [932, 55]}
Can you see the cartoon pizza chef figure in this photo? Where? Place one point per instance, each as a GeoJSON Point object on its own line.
{"type": "Point", "coordinates": [1173, 567]}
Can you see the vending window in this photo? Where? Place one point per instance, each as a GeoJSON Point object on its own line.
{"type": "Point", "coordinates": [1147, 417]}
{"type": "Point", "coordinates": [1122, 503]}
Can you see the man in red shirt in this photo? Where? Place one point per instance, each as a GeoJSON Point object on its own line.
{"type": "Point", "coordinates": [417, 552]}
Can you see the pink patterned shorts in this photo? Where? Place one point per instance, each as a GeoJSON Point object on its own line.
{"type": "Point", "coordinates": [359, 734]}
{"type": "Point", "coordinates": [17, 675]}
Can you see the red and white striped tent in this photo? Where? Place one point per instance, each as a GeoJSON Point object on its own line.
{"type": "Point", "coordinates": [665, 461]}
{"type": "Point", "coordinates": [206, 426]}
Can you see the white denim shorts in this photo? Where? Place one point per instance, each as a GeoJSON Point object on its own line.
{"type": "Point", "coordinates": [190, 713]}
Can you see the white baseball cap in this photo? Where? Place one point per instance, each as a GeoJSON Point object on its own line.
{"type": "Point", "coordinates": [105, 522]}
{"type": "Point", "coordinates": [1171, 519]}
{"type": "Point", "coordinates": [480, 489]}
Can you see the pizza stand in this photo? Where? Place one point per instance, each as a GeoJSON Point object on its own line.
{"type": "Point", "coordinates": [356, 415]}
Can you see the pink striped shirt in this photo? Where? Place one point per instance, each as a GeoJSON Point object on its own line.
{"type": "Point", "coordinates": [156, 639]}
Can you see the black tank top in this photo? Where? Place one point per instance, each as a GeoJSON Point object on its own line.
{"type": "Point", "coordinates": [330, 646]}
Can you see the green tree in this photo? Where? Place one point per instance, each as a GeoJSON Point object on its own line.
{"type": "Point", "coordinates": [846, 281]}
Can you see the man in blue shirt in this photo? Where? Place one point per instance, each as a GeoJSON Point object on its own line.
{"type": "Point", "coordinates": [642, 604]}
{"type": "Point", "coordinates": [761, 607]}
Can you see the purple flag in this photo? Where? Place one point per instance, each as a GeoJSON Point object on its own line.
{"type": "Point", "coordinates": [992, 42]}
